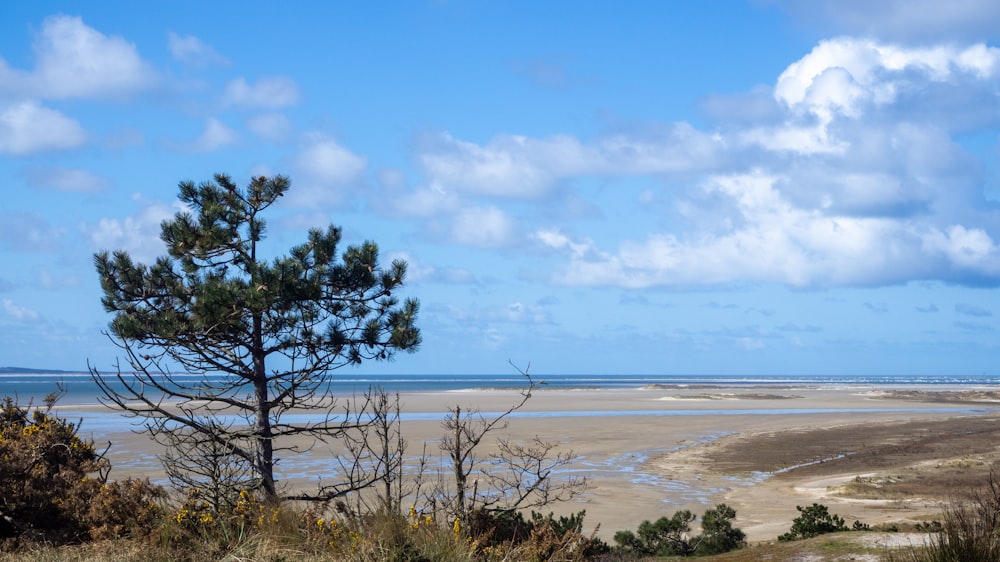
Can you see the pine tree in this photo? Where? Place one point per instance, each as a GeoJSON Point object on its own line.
{"type": "Point", "coordinates": [261, 337]}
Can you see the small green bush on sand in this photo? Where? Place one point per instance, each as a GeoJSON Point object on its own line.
{"type": "Point", "coordinates": [671, 535]}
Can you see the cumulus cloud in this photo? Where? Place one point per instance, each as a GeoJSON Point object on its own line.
{"type": "Point", "coordinates": [425, 202]}
{"type": "Point", "coordinates": [325, 172]}
{"type": "Point", "coordinates": [215, 136]}
{"type": "Point", "coordinates": [28, 127]}
{"type": "Point", "coordinates": [417, 271]}
{"type": "Point", "coordinates": [844, 75]}
{"type": "Point", "coordinates": [18, 312]}
{"type": "Point", "coordinates": [274, 127]}
{"type": "Point", "coordinates": [771, 240]}
{"type": "Point", "coordinates": [514, 313]}
{"type": "Point", "coordinates": [190, 50]}
{"type": "Point", "coordinates": [273, 91]}
{"type": "Point", "coordinates": [484, 227]}
{"type": "Point", "coordinates": [67, 180]}
{"type": "Point", "coordinates": [514, 166]}
{"type": "Point", "coordinates": [75, 60]}
{"type": "Point", "coordinates": [138, 234]}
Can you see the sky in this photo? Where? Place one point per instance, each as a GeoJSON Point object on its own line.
{"type": "Point", "coordinates": [752, 188]}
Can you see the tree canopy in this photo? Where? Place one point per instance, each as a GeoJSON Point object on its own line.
{"type": "Point", "coordinates": [261, 335]}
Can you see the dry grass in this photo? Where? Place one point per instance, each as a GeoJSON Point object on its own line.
{"type": "Point", "coordinates": [835, 547]}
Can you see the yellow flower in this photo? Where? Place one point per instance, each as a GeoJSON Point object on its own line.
{"type": "Point", "coordinates": [457, 526]}
{"type": "Point", "coordinates": [320, 522]}
{"type": "Point", "coordinates": [206, 518]}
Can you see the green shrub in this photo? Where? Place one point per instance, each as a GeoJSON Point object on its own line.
{"type": "Point", "coordinates": [813, 521]}
{"type": "Point", "coordinates": [717, 532]}
{"type": "Point", "coordinates": [671, 536]}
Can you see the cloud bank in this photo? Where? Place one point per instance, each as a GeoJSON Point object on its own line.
{"type": "Point", "coordinates": [853, 173]}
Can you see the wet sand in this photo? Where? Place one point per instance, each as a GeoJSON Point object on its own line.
{"type": "Point", "coordinates": [874, 454]}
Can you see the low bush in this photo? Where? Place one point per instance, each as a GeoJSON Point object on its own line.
{"type": "Point", "coordinates": [813, 521]}
{"type": "Point", "coordinates": [54, 484]}
{"type": "Point", "coordinates": [670, 536]}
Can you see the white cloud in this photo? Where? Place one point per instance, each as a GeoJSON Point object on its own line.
{"type": "Point", "coordinates": [843, 75]}
{"type": "Point", "coordinates": [324, 171]}
{"type": "Point", "coordinates": [18, 312]}
{"type": "Point", "coordinates": [426, 202]}
{"type": "Point", "coordinates": [417, 271]}
{"type": "Point", "coordinates": [514, 313]}
{"type": "Point", "coordinates": [74, 60]}
{"type": "Point", "coordinates": [484, 227]}
{"type": "Point", "coordinates": [271, 126]}
{"type": "Point", "coordinates": [326, 161]}
{"type": "Point", "coordinates": [770, 240]}
{"type": "Point", "coordinates": [522, 167]}
{"type": "Point", "coordinates": [274, 91]}
{"type": "Point", "coordinates": [28, 127]}
{"type": "Point", "coordinates": [67, 180]}
{"type": "Point", "coordinates": [191, 50]}
{"type": "Point", "coordinates": [554, 238]}
{"type": "Point", "coordinates": [964, 248]}
{"type": "Point", "coordinates": [138, 234]}
{"type": "Point", "coordinates": [216, 135]}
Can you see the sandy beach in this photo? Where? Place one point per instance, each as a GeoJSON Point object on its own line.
{"type": "Point", "coordinates": [875, 454]}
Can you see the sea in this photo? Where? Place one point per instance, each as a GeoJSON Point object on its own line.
{"type": "Point", "coordinates": [79, 388]}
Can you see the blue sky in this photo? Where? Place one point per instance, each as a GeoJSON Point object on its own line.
{"type": "Point", "coordinates": [755, 188]}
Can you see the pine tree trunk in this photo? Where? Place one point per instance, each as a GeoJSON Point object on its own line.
{"type": "Point", "coordinates": [265, 444]}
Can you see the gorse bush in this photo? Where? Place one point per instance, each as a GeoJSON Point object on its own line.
{"type": "Point", "coordinates": [53, 484]}
{"type": "Point", "coordinates": [509, 535]}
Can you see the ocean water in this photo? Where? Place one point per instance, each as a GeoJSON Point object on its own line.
{"type": "Point", "coordinates": [80, 389]}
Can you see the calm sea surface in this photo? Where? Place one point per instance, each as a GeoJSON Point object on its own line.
{"type": "Point", "coordinates": [99, 423]}
{"type": "Point", "coordinates": [80, 389]}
